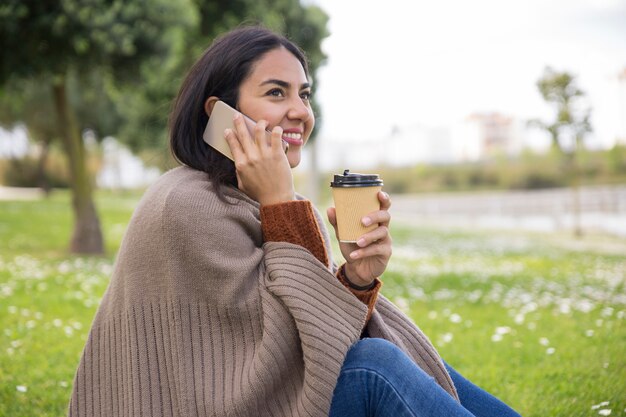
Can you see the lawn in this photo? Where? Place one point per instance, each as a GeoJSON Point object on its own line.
{"type": "Point", "coordinates": [536, 319]}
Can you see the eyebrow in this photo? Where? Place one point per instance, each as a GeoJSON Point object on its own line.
{"type": "Point", "coordinates": [284, 84]}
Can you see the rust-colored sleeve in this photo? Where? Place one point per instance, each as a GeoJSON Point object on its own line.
{"type": "Point", "coordinates": [367, 297]}
{"type": "Point", "coordinates": [294, 222]}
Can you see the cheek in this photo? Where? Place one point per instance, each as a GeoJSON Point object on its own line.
{"type": "Point", "coordinates": [310, 124]}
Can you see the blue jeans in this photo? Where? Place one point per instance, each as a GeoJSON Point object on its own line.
{"type": "Point", "coordinates": [378, 379]}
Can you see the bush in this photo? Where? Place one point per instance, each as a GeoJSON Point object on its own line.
{"type": "Point", "coordinates": [25, 172]}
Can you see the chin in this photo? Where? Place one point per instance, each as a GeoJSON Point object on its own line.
{"type": "Point", "coordinates": [294, 159]}
{"type": "Point", "coordinates": [294, 156]}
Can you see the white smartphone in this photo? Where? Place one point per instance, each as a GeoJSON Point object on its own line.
{"type": "Point", "coordinates": [221, 119]}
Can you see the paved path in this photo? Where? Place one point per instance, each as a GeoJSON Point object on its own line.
{"type": "Point", "coordinates": [17, 193]}
{"type": "Point", "coordinates": [602, 209]}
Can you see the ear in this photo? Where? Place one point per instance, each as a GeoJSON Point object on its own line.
{"type": "Point", "coordinates": [209, 103]}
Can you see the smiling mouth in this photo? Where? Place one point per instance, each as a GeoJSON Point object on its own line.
{"type": "Point", "coordinates": [293, 138]}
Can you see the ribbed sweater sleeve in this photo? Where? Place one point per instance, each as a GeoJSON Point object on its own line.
{"type": "Point", "coordinates": [294, 222]}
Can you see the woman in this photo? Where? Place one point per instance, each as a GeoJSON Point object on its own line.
{"type": "Point", "coordinates": [225, 301]}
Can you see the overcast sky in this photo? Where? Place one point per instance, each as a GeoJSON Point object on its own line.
{"type": "Point", "coordinates": [410, 62]}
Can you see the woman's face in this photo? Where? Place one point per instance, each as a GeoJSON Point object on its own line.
{"type": "Point", "coordinates": [277, 91]}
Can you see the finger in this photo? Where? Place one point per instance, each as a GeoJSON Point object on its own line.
{"type": "Point", "coordinates": [382, 217]}
{"type": "Point", "coordinates": [385, 201]}
{"type": "Point", "coordinates": [382, 250]}
{"type": "Point", "coordinates": [380, 234]}
{"type": "Point", "coordinates": [233, 143]}
{"type": "Point", "coordinates": [261, 137]}
{"type": "Point", "coordinates": [276, 139]}
{"type": "Point", "coordinates": [332, 216]}
{"type": "Point", "coordinates": [243, 134]}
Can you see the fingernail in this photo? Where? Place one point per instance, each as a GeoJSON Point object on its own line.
{"type": "Point", "coordinates": [236, 116]}
{"type": "Point", "coordinates": [360, 242]}
{"type": "Point", "coordinates": [366, 221]}
{"type": "Point", "coordinates": [226, 132]}
{"type": "Point", "coordinates": [385, 196]}
{"type": "Point", "coordinates": [354, 255]}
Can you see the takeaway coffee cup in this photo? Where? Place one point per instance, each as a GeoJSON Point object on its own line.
{"type": "Point", "coordinates": [355, 196]}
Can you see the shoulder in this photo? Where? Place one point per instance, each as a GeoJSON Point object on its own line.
{"type": "Point", "coordinates": [188, 189]}
{"type": "Point", "coordinates": [184, 206]}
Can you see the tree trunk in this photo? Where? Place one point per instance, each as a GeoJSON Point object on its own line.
{"type": "Point", "coordinates": [42, 179]}
{"type": "Point", "coordinates": [575, 186]}
{"type": "Point", "coordinates": [87, 235]}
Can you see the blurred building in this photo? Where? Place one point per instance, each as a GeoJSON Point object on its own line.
{"type": "Point", "coordinates": [478, 137]}
{"type": "Point", "coordinates": [483, 136]}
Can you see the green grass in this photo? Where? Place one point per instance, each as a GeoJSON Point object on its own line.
{"type": "Point", "coordinates": [538, 320]}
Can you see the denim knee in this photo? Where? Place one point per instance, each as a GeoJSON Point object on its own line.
{"type": "Point", "coordinates": [375, 354]}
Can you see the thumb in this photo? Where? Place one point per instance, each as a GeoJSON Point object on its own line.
{"type": "Point", "coordinates": [332, 216]}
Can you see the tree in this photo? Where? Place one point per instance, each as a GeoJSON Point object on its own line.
{"type": "Point", "coordinates": [572, 120]}
{"type": "Point", "coordinates": [569, 127]}
{"type": "Point", "coordinates": [47, 42]}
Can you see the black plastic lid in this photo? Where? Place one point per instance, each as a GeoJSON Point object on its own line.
{"type": "Point", "coordinates": [354, 179]}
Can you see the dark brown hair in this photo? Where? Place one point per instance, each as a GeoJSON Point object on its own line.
{"type": "Point", "coordinates": [219, 72]}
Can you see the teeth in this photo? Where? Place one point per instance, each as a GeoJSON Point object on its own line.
{"type": "Point", "coordinates": [293, 135]}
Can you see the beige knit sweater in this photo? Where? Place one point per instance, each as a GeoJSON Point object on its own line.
{"type": "Point", "coordinates": [202, 318]}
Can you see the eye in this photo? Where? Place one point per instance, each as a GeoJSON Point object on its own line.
{"type": "Point", "coordinates": [306, 95]}
{"type": "Point", "coordinates": [275, 92]}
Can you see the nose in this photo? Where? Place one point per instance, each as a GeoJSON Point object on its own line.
{"type": "Point", "coordinates": [299, 110]}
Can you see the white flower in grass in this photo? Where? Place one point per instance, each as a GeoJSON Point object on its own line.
{"type": "Point", "coordinates": [432, 315]}
{"type": "Point", "coordinates": [605, 412]}
{"type": "Point", "coordinates": [544, 341]}
{"type": "Point", "coordinates": [401, 302]}
{"type": "Point", "coordinates": [550, 351]}
{"type": "Point", "coordinates": [589, 333]}
{"type": "Point", "coordinates": [455, 318]}
{"type": "Point", "coordinates": [602, 404]}
{"type": "Point", "coordinates": [21, 388]}
{"type": "Point", "coordinates": [584, 306]}
{"type": "Point", "coordinates": [503, 330]}
{"type": "Point", "coordinates": [63, 384]}
{"type": "Point", "coordinates": [12, 309]}
{"type": "Point", "coordinates": [607, 312]}
{"type": "Point", "coordinates": [496, 338]}
{"type": "Point", "coordinates": [57, 322]}
{"type": "Point", "coordinates": [445, 338]}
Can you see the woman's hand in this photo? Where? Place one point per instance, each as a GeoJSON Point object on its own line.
{"type": "Point", "coordinates": [263, 171]}
{"type": "Point", "coordinates": [367, 259]}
